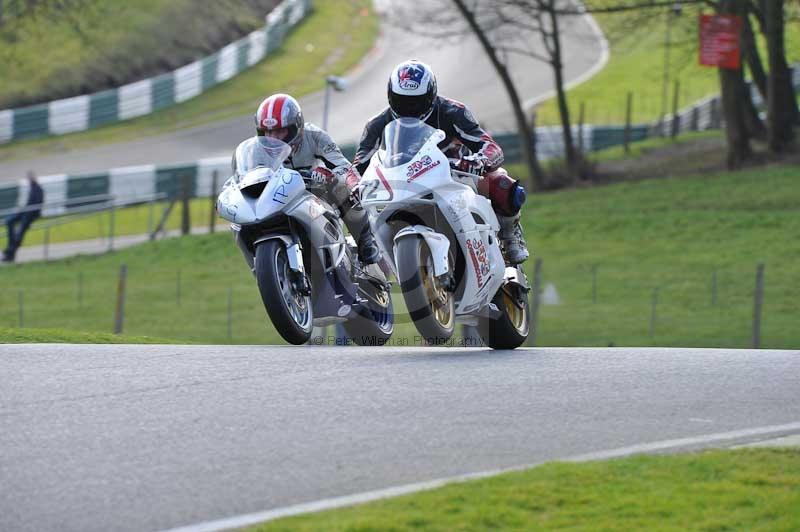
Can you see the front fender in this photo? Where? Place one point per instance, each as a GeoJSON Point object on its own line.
{"type": "Point", "coordinates": [516, 275]}
{"type": "Point", "coordinates": [293, 250]}
{"type": "Point", "coordinates": [437, 242]}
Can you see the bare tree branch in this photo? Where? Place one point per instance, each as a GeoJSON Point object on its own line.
{"type": "Point", "coordinates": [525, 53]}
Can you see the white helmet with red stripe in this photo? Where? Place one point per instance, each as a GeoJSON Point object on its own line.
{"type": "Point", "coordinates": [281, 111]}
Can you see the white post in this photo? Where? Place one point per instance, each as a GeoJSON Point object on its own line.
{"type": "Point", "coordinates": [326, 105]}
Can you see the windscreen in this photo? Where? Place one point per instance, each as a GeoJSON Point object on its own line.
{"type": "Point", "coordinates": [402, 140]}
{"type": "Point", "coordinates": [260, 152]}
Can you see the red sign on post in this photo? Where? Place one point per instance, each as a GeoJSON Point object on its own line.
{"type": "Point", "coordinates": [719, 40]}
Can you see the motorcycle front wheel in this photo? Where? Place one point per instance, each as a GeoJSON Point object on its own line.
{"type": "Point", "coordinates": [281, 292]}
{"type": "Point", "coordinates": [430, 305]}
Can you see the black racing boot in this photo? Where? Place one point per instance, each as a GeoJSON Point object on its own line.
{"type": "Point", "coordinates": [368, 250]}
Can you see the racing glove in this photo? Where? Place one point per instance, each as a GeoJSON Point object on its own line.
{"type": "Point", "coordinates": [476, 163]}
{"type": "Point", "coordinates": [322, 176]}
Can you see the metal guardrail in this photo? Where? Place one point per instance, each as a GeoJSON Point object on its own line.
{"type": "Point", "coordinates": [97, 204]}
{"type": "Point", "coordinates": [66, 203]}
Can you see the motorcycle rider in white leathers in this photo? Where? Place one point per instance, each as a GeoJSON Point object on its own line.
{"type": "Point", "coordinates": [313, 149]}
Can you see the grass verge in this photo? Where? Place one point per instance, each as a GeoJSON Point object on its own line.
{"type": "Point", "coordinates": [636, 64]}
{"type": "Point", "coordinates": [333, 38]}
{"type": "Point", "coordinates": [689, 244]}
{"type": "Point", "coordinates": [747, 489]}
{"type": "Point", "coordinates": [64, 336]}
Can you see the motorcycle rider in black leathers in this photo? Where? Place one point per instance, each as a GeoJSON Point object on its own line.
{"type": "Point", "coordinates": [412, 93]}
{"type": "Point", "coordinates": [280, 116]}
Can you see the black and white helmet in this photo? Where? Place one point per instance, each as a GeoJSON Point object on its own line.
{"type": "Point", "coordinates": [412, 90]}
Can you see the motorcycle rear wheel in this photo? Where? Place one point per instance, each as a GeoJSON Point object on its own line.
{"type": "Point", "coordinates": [511, 329]}
{"type": "Point", "coordinates": [290, 310]}
{"type": "Point", "coordinates": [375, 323]}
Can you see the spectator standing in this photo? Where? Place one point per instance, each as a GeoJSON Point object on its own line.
{"type": "Point", "coordinates": [19, 222]}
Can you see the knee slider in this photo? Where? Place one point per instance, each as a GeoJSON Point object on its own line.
{"type": "Point", "coordinates": [506, 194]}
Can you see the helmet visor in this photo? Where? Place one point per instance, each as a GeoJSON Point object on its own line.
{"type": "Point", "coordinates": [410, 106]}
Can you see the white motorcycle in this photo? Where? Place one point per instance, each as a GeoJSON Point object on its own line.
{"type": "Point", "coordinates": [307, 271]}
{"type": "Point", "coordinates": [418, 208]}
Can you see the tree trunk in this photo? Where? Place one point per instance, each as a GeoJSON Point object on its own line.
{"type": "Point", "coordinates": [751, 55]}
{"type": "Point", "coordinates": [563, 107]}
{"type": "Point", "coordinates": [755, 126]}
{"type": "Point", "coordinates": [736, 130]}
{"type": "Point", "coordinates": [733, 93]}
{"type": "Point", "coordinates": [781, 103]}
{"type": "Point", "coordinates": [527, 143]}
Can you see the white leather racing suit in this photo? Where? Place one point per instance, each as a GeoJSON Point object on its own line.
{"type": "Point", "coordinates": [317, 148]}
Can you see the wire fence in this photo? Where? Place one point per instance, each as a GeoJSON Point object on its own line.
{"type": "Point", "coordinates": [171, 294]}
{"type": "Point", "coordinates": [597, 129]}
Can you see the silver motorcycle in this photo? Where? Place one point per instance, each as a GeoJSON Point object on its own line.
{"type": "Point", "coordinates": [308, 272]}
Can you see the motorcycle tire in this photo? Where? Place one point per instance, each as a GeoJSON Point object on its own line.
{"type": "Point", "coordinates": [375, 323]}
{"type": "Point", "coordinates": [511, 329]}
{"type": "Point", "coordinates": [291, 312]}
{"type": "Point", "coordinates": [430, 306]}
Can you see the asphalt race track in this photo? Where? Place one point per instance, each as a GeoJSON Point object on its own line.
{"type": "Point", "coordinates": [461, 67]}
{"type": "Point", "coordinates": [152, 437]}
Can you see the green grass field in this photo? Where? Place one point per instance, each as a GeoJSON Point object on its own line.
{"type": "Point", "coordinates": [57, 49]}
{"type": "Point", "coordinates": [682, 236]}
{"type": "Point", "coordinates": [746, 489]}
{"type": "Point", "coordinates": [636, 64]}
{"type": "Point", "coordinates": [332, 39]}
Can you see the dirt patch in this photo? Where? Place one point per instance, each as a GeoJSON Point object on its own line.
{"type": "Point", "coordinates": [688, 158]}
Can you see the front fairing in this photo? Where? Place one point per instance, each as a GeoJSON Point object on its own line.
{"type": "Point", "coordinates": [429, 169]}
{"type": "Point", "coordinates": [236, 204]}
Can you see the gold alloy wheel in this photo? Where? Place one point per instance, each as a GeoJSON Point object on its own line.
{"type": "Point", "coordinates": [382, 297]}
{"type": "Point", "coordinates": [441, 300]}
{"type": "Point", "coordinates": [384, 320]}
{"type": "Point", "coordinates": [516, 311]}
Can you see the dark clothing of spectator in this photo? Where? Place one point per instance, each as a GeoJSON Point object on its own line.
{"type": "Point", "coordinates": [35, 197]}
{"type": "Point", "coordinates": [19, 222]}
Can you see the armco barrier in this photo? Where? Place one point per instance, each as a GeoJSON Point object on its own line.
{"type": "Point", "coordinates": [140, 98]}
{"type": "Point", "coordinates": [130, 183]}
{"type": "Point", "coordinates": [126, 184]}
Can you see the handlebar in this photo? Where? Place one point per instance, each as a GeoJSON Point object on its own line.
{"type": "Point", "coordinates": [459, 173]}
{"type": "Point", "coordinates": [454, 164]}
